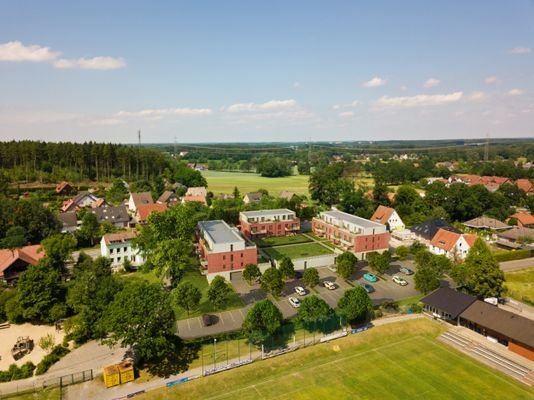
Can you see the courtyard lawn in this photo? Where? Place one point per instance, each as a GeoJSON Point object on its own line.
{"type": "Point", "coordinates": [297, 251]}
{"type": "Point", "coordinates": [225, 182]}
{"type": "Point", "coordinates": [520, 285]}
{"type": "Point", "coordinates": [397, 361]}
{"type": "Point", "coordinates": [281, 240]}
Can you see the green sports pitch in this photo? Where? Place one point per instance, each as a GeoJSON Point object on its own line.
{"type": "Point", "coordinates": [397, 361]}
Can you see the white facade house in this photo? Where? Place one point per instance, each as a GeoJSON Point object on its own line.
{"type": "Point", "coordinates": [387, 215]}
{"type": "Point", "coordinates": [119, 248]}
{"type": "Point", "coordinates": [451, 244]}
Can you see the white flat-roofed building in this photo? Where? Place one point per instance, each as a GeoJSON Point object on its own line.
{"type": "Point", "coordinates": [264, 223]}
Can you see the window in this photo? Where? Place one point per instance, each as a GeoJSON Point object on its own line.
{"type": "Point", "coordinates": [231, 247]}
{"type": "Point", "coordinates": [118, 259]}
{"type": "Point", "coordinates": [111, 251]}
{"type": "Point", "coordinates": [125, 249]}
{"type": "Point", "coordinates": [231, 257]}
{"type": "Point", "coordinates": [224, 257]}
{"type": "Point", "coordinates": [241, 255]}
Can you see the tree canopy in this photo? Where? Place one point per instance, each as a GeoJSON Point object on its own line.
{"type": "Point", "coordinates": [262, 320]}
{"type": "Point", "coordinates": [271, 281]}
{"type": "Point", "coordinates": [345, 264]}
{"type": "Point", "coordinates": [355, 305]}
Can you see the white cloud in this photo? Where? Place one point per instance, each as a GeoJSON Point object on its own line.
{"type": "Point", "coordinates": [96, 63]}
{"type": "Point", "coordinates": [346, 114]}
{"type": "Point", "coordinates": [516, 92]}
{"type": "Point", "coordinates": [431, 82]}
{"type": "Point", "coordinates": [272, 105]}
{"type": "Point", "coordinates": [375, 82]}
{"type": "Point", "coordinates": [490, 80]}
{"type": "Point", "coordinates": [18, 52]}
{"type": "Point", "coordinates": [477, 96]}
{"type": "Point", "coordinates": [420, 100]}
{"type": "Point", "coordinates": [354, 103]}
{"type": "Point", "coordinates": [521, 50]}
{"type": "Point", "coordinates": [165, 112]}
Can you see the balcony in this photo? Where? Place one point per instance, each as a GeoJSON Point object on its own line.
{"type": "Point", "coordinates": [292, 228]}
{"type": "Point", "coordinates": [258, 231]}
{"type": "Point", "coordinates": [346, 242]}
{"type": "Point", "coordinates": [319, 229]}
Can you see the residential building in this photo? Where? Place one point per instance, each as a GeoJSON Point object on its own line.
{"type": "Point", "coordinates": [287, 195]}
{"type": "Point", "coordinates": [169, 198]}
{"type": "Point", "coordinates": [428, 229]}
{"type": "Point", "coordinates": [14, 262]}
{"type": "Point", "coordinates": [195, 199]}
{"type": "Point", "coordinates": [518, 234]}
{"type": "Point", "coordinates": [69, 221]}
{"type": "Point", "coordinates": [447, 304]}
{"type": "Point", "coordinates": [486, 223]}
{"type": "Point", "coordinates": [117, 216]}
{"type": "Point", "coordinates": [525, 185]}
{"type": "Point", "coordinates": [100, 203]}
{"type": "Point", "coordinates": [64, 188]}
{"type": "Point", "coordinates": [523, 219]}
{"type": "Point", "coordinates": [387, 215]}
{"type": "Point", "coordinates": [264, 223]}
{"type": "Point", "coordinates": [144, 211]}
{"type": "Point", "coordinates": [252, 197]}
{"type": "Point", "coordinates": [197, 191]}
{"type": "Point", "coordinates": [451, 244]}
{"type": "Point", "coordinates": [223, 250]}
{"type": "Point", "coordinates": [119, 248]}
{"type": "Point", "coordinates": [81, 200]}
{"type": "Point", "coordinates": [350, 232]}
{"type": "Point", "coordinates": [136, 199]}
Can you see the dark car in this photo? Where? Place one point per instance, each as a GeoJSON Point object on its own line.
{"type": "Point", "coordinates": [207, 320]}
{"type": "Point", "coordinates": [368, 288]}
{"type": "Point", "coordinates": [406, 271]}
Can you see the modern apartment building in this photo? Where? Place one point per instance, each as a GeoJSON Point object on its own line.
{"type": "Point", "coordinates": [263, 223]}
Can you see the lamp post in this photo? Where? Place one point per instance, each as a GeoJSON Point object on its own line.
{"type": "Point", "coordinates": [214, 353]}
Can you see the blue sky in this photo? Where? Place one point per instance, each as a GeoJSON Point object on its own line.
{"type": "Point", "coordinates": [216, 71]}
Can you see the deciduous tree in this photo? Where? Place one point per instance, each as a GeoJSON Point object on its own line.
{"type": "Point", "coordinates": [345, 264]}
{"type": "Point", "coordinates": [251, 272]}
{"type": "Point", "coordinates": [311, 277]}
{"type": "Point", "coordinates": [219, 292]}
{"type": "Point", "coordinates": [187, 296]}
{"type": "Point", "coordinates": [262, 320]}
{"type": "Point", "coordinates": [272, 282]}
{"type": "Point", "coordinates": [313, 309]}
{"type": "Point", "coordinates": [286, 268]}
{"type": "Point", "coordinates": [355, 304]}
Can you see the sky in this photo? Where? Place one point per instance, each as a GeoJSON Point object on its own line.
{"type": "Point", "coordinates": [257, 71]}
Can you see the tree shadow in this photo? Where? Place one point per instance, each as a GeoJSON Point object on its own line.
{"type": "Point", "coordinates": [177, 358]}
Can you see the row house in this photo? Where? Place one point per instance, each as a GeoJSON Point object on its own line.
{"type": "Point", "coordinates": [223, 250]}
{"type": "Point", "coordinates": [353, 233]}
{"type": "Point", "coordinates": [265, 223]}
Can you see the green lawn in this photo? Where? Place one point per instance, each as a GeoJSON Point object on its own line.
{"type": "Point", "coordinates": [397, 361]}
{"type": "Point", "coordinates": [47, 394]}
{"type": "Point", "coordinates": [224, 182]}
{"type": "Point", "coordinates": [297, 251]}
{"type": "Point", "coordinates": [520, 285]}
{"type": "Point", "coordinates": [281, 240]}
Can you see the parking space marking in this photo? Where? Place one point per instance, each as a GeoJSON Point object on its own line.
{"type": "Point", "coordinates": [221, 317]}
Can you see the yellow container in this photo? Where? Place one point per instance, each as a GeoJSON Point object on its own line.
{"type": "Point", "coordinates": [111, 376]}
{"type": "Point", "coordinates": [126, 371]}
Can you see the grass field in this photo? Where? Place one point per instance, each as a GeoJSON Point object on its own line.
{"type": "Point", "coordinates": [297, 251]}
{"type": "Point", "coordinates": [397, 361]}
{"type": "Point", "coordinates": [520, 285]}
{"type": "Point", "coordinates": [48, 394]}
{"type": "Point", "coordinates": [224, 182]}
{"type": "Point", "coordinates": [281, 240]}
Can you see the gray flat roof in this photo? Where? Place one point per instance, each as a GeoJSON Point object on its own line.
{"type": "Point", "coordinates": [353, 219]}
{"type": "Point", "coordinates": [220, 231]}
{"type": "Point", "coordinates": [263, 213]}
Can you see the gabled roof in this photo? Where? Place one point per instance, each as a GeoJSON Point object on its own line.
{"type": "Point", "coordinates": [80, 196]}
{"type": "Point", "coordinates": [120, 237]}
{"type": "Point", "coordinates": [195, 199]}
{"type": "Point", "coordinates": [62, 186]}
{"type": "Point", "coordinates": [470, 239]}
{"type": "Point", "coordinates": [382, 214]}
{"type": "Point", "coordinates": [445, 239]}
{"type": "Point", "coordinates": [141, 198]}
{"type": "Point", "coordinates": [144, 210]}
{"type": "Point", "coordinates": [99, 203]}
{"type": "Point", "coordinates": [524, 218]}
{"type": "Point", "coordinates": [449, 300]}
{"type": "Point", "coordinates": [68, 205]}
{"type": "Point", "coordinates": [517, 232]}
{"type": "Point", "coordinates": [287, 195]}
{"type": "Point", "coordinates": [167, 196]}
{"type": "Point", "coordinates": [29, 254]}
{"type": "Point", "coordinates": [254, 196]}
{"type": "Point", "coordinates": [511, 325]}
{"type": "Point", "coordinates": [428, 229]}
{"type": "Point", "coordinates": [196, 191]}
{"type": "Point", "coordinates": [486, 223]}
{"type": "Point", "coordinates": [117, 214]}
{"type": "Point", "coordinates": [525, 184]}
{"type": "Point", "coordinates": [68, 219]}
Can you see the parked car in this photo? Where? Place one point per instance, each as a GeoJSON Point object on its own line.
{"type": "Point", "coordinates": [300, 290]}
{"type": "Point", "coordinates": [294, 302]}
{"type": "Point", "coordinates": [370, 277]}
{"type": "Point", "coordinates": [406, 271]}
{"type": "Point", "coordinates": [399, 281]}
{"type": "Point", "coordinates": [207, 320]}
{"type": "Point", "coordinates": [298, 275]}
{"type": "Point", "coordinates": [329, 285]}
{"type": "Point", "coordinates": [368, 288]}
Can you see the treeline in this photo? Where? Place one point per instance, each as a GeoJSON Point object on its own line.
{"type": "Point", "coordinates": [49, 162]}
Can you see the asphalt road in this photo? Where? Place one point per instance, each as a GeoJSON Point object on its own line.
{"type": "Point", "coordinates": [516, 265]}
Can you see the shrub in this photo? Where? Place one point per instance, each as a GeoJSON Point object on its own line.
{"type": "Point", "coordinates": [56, 354]}
{"type": "Point", "coordinates": [15, 373]}
{"type": "Point", "coordinates": [415, 308]}
{"type": "Point", "coordinates": [512, 255]}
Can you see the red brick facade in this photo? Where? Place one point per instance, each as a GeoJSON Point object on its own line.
{"type": "Point", "coordinates": [228, 261]}
{"type": "Point", "coordinates": [521, 350]}
{"type": "Point", "coordinates": [270, 228]}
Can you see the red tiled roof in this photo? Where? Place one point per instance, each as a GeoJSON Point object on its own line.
{"type": "Point", "coordinates": [61, 186]}
{"type": "Point", "coordinates": [524, 218]}
{"type": "Point", "coordinates": [445, 239]}
{"type": "Point", "coordinates": [144, 210]}
{"type": "Point", "coordinates": [524, 184]}
{"type": "Point", "coordinates": [99, 203]}
{"type": "Point", "coordinates": [68, 205]}
{"type": "Point", "coordinates": [382, 214]}
{"type": "Point", "coordinates": [470, 239]}
{"type": "Point", "coordinates": [30, 254]}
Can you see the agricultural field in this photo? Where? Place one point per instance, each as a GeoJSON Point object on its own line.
{"type": "Point", "coordinates": [224, 182]}
{"type": "Point", "coordinates": [297, 251]}
{"type": "Point", "coordinates": [397, 361]}
{"type": "Point", "coordinates": [520, 285]}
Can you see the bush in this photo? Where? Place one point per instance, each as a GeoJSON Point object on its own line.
{"type": "Point", "coordinates": [15, 373]}
{"type": "Point", "coordinates": [415, 308]}
{"type": "Point", "coordinates": [378, 313]}
{"type": "Point", "coordinates": [390, 306]}
{"type": "Point", "coordinates": [512, 255]}
{"type": "Point", "coordinates": [56, 354]}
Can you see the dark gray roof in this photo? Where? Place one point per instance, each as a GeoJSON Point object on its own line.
{"type": "Point", "coordinates": [449, 300]}
{"type": "Point", "coordinates": [513, 326]}
{"type": "Point", "coordinates": [68, 219]}
{"type": "Point", "coordinates": [428, 229]}
{"type": "Point", "coordinates": [114, 215]}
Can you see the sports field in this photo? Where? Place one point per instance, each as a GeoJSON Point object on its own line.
{"type": "Point", "coordinates": [398, 361]}
{"type": "Point", "coordinates": [224, 182]}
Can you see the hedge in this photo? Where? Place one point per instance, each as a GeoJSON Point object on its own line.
{"type": "Point", "coordinates": [14, 372]}
{"type": "Point", "coordinates": [52, 358]}
{"type": "Point", "coordinates": [512, 255]}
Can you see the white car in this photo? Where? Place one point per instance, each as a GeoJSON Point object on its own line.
{"type": "Point", "coordinates": [300, 290]}
{"type": "Point", "coordinates": [332, 268]}
{"type": "Point", "coordinates": [294, 302]}
{"type": "Point", "coordinates": [329, 285]}
{"type": "Point", "coordinates": [399, 281]}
